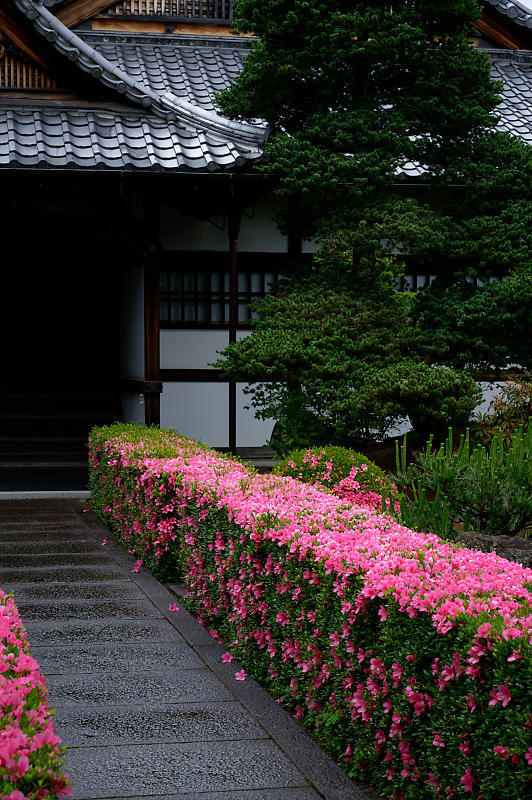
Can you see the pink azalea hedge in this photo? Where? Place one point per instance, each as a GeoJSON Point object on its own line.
{"type": "Point", "coordinates": [409, 657]}
{"type": "Point", "coordinates": [30, 755]}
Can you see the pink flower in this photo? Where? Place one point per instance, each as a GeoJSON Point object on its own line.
{"type": "Point", "coordinates": [282, 618]}
{"type": "Point", "coordinates": [104, 542]}
{"type": "Point", "coordinates": [240, 676]}
{"type": "Point", "coordinates": [471, 703]}
{"type": "Point", "coordinates": [515, 655]}
{"type": "Point", "coordinates": [138, 565]}
{"type": "Point", "coordinates": [438, 741]}
{"type": "Point", "coordinates": [227, 657]}
{"type": "Point", "coordinates": [467, 780]}
{"type": "Point", "coordinates": [501, 694]}
{"type": "Point", "coordinates": [173, 607]}
{"type": "Point", "coordinates": [528, 756]}
{"type": "Point", "coordinates": [501, 751]}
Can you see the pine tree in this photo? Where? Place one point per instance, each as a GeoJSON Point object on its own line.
{"type": "Point", "coordinates": [353, 91]}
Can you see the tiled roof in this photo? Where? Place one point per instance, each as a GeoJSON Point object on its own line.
{"type": "Point", "coordinates": [514, 68]}
{"type": "Point", "coordinates": [163, 103]}
{"type": "Point", "coordinates": [91, 139]}
{"type": "Point", "coordinates": [515, 109]}
{"type": "Point", "coordinates": [514, 10]}
{"type": "Point", "coordinates": [194, 73]}
{"type": "Point", "coordinates": [173, 127]}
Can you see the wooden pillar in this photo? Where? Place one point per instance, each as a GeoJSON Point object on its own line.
{"type": "Point", "coordinates": [233, 229]}
{"type": "Point", "coordinates": [153, 386]}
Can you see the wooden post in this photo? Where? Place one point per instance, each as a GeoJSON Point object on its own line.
{"type": "Point", "coordinates": [152, 393]}
{"type": "Point", "coordinates": [233, 228]}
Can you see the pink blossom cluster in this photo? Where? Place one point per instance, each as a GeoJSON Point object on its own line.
{"type": "Point", "coordinates": [349, 490]}
{"type": "Point", "coordinates": [30, 753]}
{"type": "Point", "coordinates": [314, 590]}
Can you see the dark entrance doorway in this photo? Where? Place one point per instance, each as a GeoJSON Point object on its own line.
{"type": "Point", "coordinates": [60, 331]}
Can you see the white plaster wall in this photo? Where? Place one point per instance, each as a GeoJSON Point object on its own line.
{"type": "Point", "coordinates": [259, 233]}
{"type": "Point", "coordinates": [132, 408]}
{"type": "Point", "coordinates": [250, 432]}
{"type": "Point", "coordinates": [179, 231]}
{"type": "Point", "coordinates": [489, 390]}
{"type": "Point", "coordinates": [191, 349]}
{"type": "Point", "coordinates": [200, 410]}
{"type": "Point", "coordinates": [258, 230]}
{"type": "Point", "coordinates": [309, 246]}
{"type": "Point", "coordinates": [132, 322]}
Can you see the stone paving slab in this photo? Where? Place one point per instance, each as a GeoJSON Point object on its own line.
{"type": "Point", "coordinates": [59, 525]}
{"type": "Point", "coordinates": [47, 547]}
{"type": "Point", "coordinates": [42, 535]}
{"type": "Point", "coordinates": [85, 610]}
{"type": "Point", "coordinates": [176, 767]}
{"type": "Point", "coordinates": [294, 793]}
{"type": "Point", "coordinates": [149, 724]}
{"type": "Point", "coordinates": [11, 577]}
{"type": "Point", "coordinates": [100, 631]}
{"type": "Point", "coordinates": [64, 592]}
{"type": "Point", "coordinates": [14, 514]}
{"type": "Point", "coordinates": [51, 560]}
{"type": "Point", "coordinates": [194, 685]}
{"type": "Point", "coordinates": [111, 657]}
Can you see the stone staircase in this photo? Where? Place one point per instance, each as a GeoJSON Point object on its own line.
{"type": "Point", "coordinates": [43, 438]}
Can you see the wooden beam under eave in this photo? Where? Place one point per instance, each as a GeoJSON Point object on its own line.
{"type": "Point", "coordinates": [24, 39]}
{"type": "Point", "coordinates": [79, 10]}
{"type": "Point", "coordinates": [498, 33]}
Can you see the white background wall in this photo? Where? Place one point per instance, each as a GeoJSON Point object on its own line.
{"type": "Point", "coordinates": [191, 349]}
{"type": "Point", "coordinates": [258, 231]}
{"type": "Point", "coordinates": [132, 339]}
{"type": "Point", "coordinates": [132, 322]}
{"type": "Point", "coordinates": [200, 410]}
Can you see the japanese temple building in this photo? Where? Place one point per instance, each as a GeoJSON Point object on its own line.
{"type": "Point", "coordinates": [135, 231]}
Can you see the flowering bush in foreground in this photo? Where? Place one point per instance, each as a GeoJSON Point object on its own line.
{"type": "Point", "coordinates": [409, 657]}
{"type": "Point", "coordinates": [30, 757]}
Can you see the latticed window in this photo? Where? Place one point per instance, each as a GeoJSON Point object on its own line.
{"type": "Point", "coordinates": [190, 10]}
{"type": "Point", "coordinates": [197, 294]}
{"type": "Point", "coordinates": [18, 72]}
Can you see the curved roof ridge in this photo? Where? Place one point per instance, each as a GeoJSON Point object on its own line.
{"type": "Point", "coordinates": [165, 104]}
{"type": "Point", "coordinates": [515, 10]}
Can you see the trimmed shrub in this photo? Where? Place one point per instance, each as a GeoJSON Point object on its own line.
{"type": "Point", "coordinates": [344, 472]}
{"type": "Point", "coordinates": [409, 657]}
{"type": "Point", "coordinates": [30, 754]}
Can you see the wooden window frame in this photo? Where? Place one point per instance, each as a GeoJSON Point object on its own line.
{"type": "Point", "coordinates": [209, 262]}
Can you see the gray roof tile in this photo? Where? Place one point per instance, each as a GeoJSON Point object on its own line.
{"type": "Point", "coordinates": [127, 74]}
{"type": "Point", "coordinates": [90, 139]}
{"type": "Point", "coordinates": [514, 10]}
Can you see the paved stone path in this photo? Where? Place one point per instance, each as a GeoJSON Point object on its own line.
{"type": "Point", "coordinates": [144, 702]}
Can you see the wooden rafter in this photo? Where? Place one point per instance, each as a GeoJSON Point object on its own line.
{"type": "Point", "coordinates": [499, 33]}
{"type": "Point", "coordinates": [78, 11]}
{"type": "Point", "coordinates": [23, 39]}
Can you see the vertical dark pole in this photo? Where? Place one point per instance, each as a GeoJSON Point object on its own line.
{"type": "Point", "coordinates": [152, 262]}
{"type": "Point", "coordinates": [151, 336]}
{"type": "Point", "coordinates": [233, 229]}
